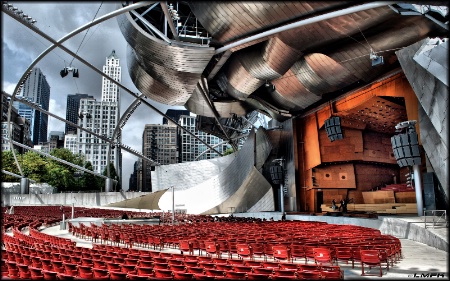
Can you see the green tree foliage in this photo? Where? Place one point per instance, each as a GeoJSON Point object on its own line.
{"type": "Point", "coordinates": [60, 175]}
{"type": "Point", "coordinates": [228, 151]}
{"type": "Point", "coordinates": [9, 165]}
{"type": "Point", "coordinates": [113, 175]}
{"type": "Point", "coordinates": [34, 166]}
{"type": "Point", "coordinates": [90, 181]}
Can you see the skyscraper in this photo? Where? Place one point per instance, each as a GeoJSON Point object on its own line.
{"type": "Point", "coordinates": [101, 117]}
{"type": "Point", "coordinates": [159, 142]}
{"type": "Point", "coordinates": [36, 89]}
{"type": "Point", "coordinates": [72, 109]}
{"type": "Point", "coordinates": [192, 149]}
{"type": "Point", "coordinates": [175, 114]}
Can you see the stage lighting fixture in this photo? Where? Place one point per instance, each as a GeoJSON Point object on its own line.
{"type": "Point", "coordinates": [64, 72]}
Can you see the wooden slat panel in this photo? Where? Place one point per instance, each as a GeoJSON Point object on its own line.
{"type": "Point", "coordinates": [312, 144]}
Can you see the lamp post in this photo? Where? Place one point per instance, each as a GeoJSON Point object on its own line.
{"type": "Point", "coordinates": [173, 204]}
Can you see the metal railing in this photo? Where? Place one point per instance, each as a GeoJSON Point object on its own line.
{"type": "Point", "coordinates": [438, 217]}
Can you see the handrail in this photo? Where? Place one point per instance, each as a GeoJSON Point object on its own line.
{"type": "Point", "coordinates": [436, 213]}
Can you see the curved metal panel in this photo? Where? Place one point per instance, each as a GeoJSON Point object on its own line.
{"type": "Point", "coordinates": [392, 35]}
{"type": "Point", "coordinates": [279, 56]}
{"type": "Point", "coordinates": [241, 83]}
{"type": "Point", "coordinates": [226, 108]}
{"type": "Point", "coordinates": [292, 90]}
{"type": "Point", "coordinates": [164, 72]}
{"type": "Point", "coordinates": [330, 71]}
{"type": "Point", "coordinates": [151, 87]}
{"type": "Point", "coordinates": [223, 186]}
{"type": "Point", "coordinates": [227, 21]}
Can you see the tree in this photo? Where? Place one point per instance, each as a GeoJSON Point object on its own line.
{"type": "Point", "coordinates": [90, 181]}
{"type": "Point", "coordinates": [34, 166]}
{"type": "Point", "coordinates": [113, 175]}
{"type": "Point", "coordinates": [9, 165]}
{"type": "Point", "coordinates": [228, 151]}
{"type": "Point", "coordinates": [61, 175]}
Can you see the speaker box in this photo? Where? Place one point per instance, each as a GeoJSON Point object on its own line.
{"type": "Point", "coordinates": [333, 128]}
{"type": "Point", "coordinates": [429, 197]}
{"type": "Point", "coordinates": [276, 173]}
{"type": "Point", "coordinates": [406, 149]}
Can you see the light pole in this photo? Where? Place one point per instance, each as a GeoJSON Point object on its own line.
{"type": "Point", "coordinates": [173, 204]}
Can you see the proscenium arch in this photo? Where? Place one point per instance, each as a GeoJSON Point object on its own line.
{"type": "Point", "coordinates": [55, 44]}
{"type": "Point", "coordinates": [58, 44]}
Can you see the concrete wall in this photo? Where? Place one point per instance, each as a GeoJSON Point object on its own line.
{"type": "Point", "coordinates": [78, 199]}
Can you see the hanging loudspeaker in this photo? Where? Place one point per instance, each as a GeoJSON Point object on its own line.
{"type": "Point", "coordinates": [333, 128]}
{"type": "Point", "coordinates": [406, 149]}
{"type": "Point", "coordinates": [276, 173]}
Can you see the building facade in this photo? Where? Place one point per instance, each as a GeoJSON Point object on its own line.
{"type": "Point", "coordinates": [191, 149]}
{"type": "Point", "coordinates": [100, 117]}
{"type": "Point", "coordinates": [159, 142]}
{"type": "Point", "coordinates": [36, 89]}
{"type": "Point", "coordinates": [19, 126]}
{"type": "Point", "coordinates": [72, 109]}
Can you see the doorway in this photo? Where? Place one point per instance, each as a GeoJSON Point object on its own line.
{"type": "Point", "coordinates": [319, 201]}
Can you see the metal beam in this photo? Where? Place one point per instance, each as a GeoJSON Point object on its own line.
{"type": "Point", "coordinates": [59, 160]}
{"type": "Point", "coordinates": [305, 22]}
{"type": "Point", "coordinates": [16, 175]}
{"type": "Point", "coordinates": [169, 20]}
{"type": "Point", "coordinates": [154, 29]}
{"type": "Point", "coordinates": [57, 44]}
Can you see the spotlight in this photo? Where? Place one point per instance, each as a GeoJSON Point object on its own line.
{"type": "Point", "coordinates": [376, 60]}
{"type": "Point", "coordinates": [75, 73]}
{"type": "Point", "coordinates": [64, 72]}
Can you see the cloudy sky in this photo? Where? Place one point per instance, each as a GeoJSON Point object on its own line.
{"type": "Point", "coordinates": [21, 46]}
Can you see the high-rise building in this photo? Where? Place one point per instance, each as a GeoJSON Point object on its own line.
{"type": "Point", "coordinates": [159, 142]}
{"type": "Point", "coordinates": [175, 114]}
{"type": "Point", "coordinates": [135, 183]}
{"type": "Point", "coordinates": [191, 149]}
{"type": "Point", "coordinates": [101, 117]}
{"type": "Point", "coordinates": [72, 109]}
{"type": "Point", "coordinates": [36, 89]}
{"type": "Point", "coordinates": [19, 127]}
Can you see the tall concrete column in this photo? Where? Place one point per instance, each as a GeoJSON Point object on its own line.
{"type": "Point", "coordinates": [108, 185]}
{"type": "Point", "coordinates": [24, 186]}
{"type": "Point", "coordinates": [418, 188]}
{"type": "Point", "coordinates": [281, 198]}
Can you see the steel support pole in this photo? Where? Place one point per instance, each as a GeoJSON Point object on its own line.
{"type": "Point", "coordinates": [173, 205]}
{"type": "Point", "coordinates": [418, 188]}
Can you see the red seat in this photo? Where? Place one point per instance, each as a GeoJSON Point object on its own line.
{"type": "Point", "coordinates": [147, 271]}
{"type": "Point", "coordinates": [281, 252]}
{"type": "Point", "coordinates": [132, 276]}
{"type": "Point", "coordinates": [244, 251]}
{"type": "Point", "coordinates": [24, 272]}
{"type": "Point", "coordinates": [100, 274]}
{"type": "Point", "coordinates": [70, 269]}
{"type": "Point", "coordinates": [116, 275]}
{"type": "Point", "coordinates": [85, 272]}
{"type": "Point", "coordinates": [63, 276]}
{"type": "Point", "coordinates": [178, 275]}
{"type": "Point", "coordinates": [322, 256]}
{"type": "Point", "coordinates": [370, 258]}
{"type": "Point", "coordinates": [145, 263]}
{"type": "Point", "coordinates": [262, 270]}
{"type": "Point", "coordinates": [236, 275]}
{"type": "Point", "coordinates": [112, 266]}
{"type": "Point", "coordinates": [128, 268]}
{"type": "Point", "coordinates": [49, 275]}
{"type": "Point", "coordinates": [163, 273]}
{"type": "Point", "coordinates": [36, 273]}
{"type": "Point", "coordinates": [257, 276]}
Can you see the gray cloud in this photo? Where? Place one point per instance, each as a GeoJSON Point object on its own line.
{"type": "Point", "coordinates": [21, 46]}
